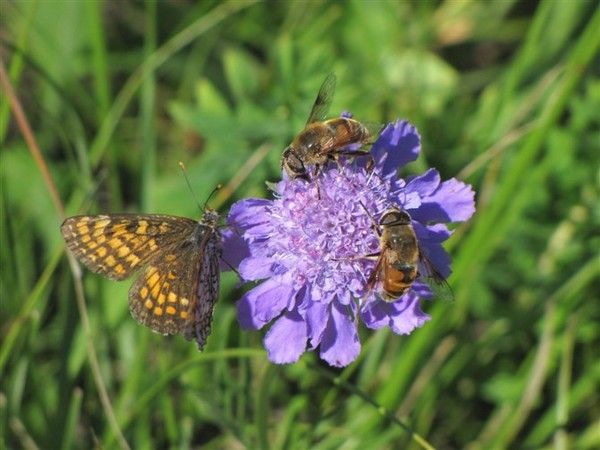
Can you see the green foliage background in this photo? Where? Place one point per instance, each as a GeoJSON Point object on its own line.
{"type": "Point", "coordinates": [506, 96]}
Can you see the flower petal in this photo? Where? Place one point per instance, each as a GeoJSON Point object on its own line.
{"type": "Point", "coordinates": [259, 268]}
{"type": "Point", "coordinates": [452, 201]}
{"type": "Point", "coordinates": [375, 314]}
{"type": "Point", "coordinates": [311, 242]}
{"type": "Point", "coordinates": [397, 145]}
{"type": "Point", "coordinates": [425, 184]}
{"type": "Point", "coordinates": [407, 317]}
{"type": "Point", "coordinates": [247, 211]}
{"type": "Point", "coordinates": [235, 249]}
{"type": "Point", "coordinates": [263, 303]}
{"type": "Point", "coordinates": [402, 316]}
{"type": "Point", "coordinates": [286, 339]}
{"type": "Point", "coordinates": [251, 216]}
{"type": "Point", "coordinates": [340, 345]}
{"type": "Point", "coordinates": [430, 242]}
{"type": "Point", "coordinates": [316, 315]}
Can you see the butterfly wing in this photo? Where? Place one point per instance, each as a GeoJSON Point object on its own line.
{"type": "Point", "coordinates": [207, 290]}
{"type": "Point", "coordinates": [117, 245]}
{"type": "Point", "coordinates": [171, 295]}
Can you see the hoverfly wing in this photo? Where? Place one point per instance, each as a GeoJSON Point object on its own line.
{"type": "Point", "coordinates": [323, 100]}
{"type": "Point", "coordinates": [376, 273]}
{"type": "Point", "coordinates": [375, 129]}
{"type": "Point", "coordinates": [434, 279]}
{"type": "Point", "coordinates": [369, 133]}
{"type": "Point", "coordinates": [441, 289]}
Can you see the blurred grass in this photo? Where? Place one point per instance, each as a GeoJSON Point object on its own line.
{"type": "Point", "coordinates": [115, 104]}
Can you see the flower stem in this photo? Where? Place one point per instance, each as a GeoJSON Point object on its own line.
{"type": "Point", "coordinates": [382, 410]}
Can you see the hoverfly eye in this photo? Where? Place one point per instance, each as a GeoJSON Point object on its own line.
{"type": "Point", "coordinates": [395, 217]}
{"type": "Point", "coordinates": [293, 163]}
{"type": "Point", "coordinates": [404, 217]}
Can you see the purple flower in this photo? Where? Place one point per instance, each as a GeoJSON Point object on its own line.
{"type": "Point", "coordinates": [307, 249]}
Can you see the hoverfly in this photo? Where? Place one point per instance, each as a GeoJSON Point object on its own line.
{"type": "Point", "coordinates": [324, 140]}
{"type": "Point", "coordinates": [400, 258]}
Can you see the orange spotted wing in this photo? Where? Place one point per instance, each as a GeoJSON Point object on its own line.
{"type": "Point", "coordinates": [179, 258]}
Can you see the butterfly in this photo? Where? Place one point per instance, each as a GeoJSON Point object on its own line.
{"type": "Point", "coordinates": [178, 258]}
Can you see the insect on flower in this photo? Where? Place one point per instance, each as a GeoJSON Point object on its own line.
{"type": "Point", "coordinates": [306, 253]}
{"type": "Point", "coordinates": [400, 260]}
{"type": "Point", "coordinates": [179, 259]}
{"type": "Point", "coordinates": [324, 140]}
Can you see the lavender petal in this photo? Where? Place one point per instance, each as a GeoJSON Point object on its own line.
{"type": "Point", "coordinates": [286, 339]}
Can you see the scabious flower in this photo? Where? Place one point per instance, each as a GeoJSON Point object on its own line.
{"type": "Point", "coordinates": [307, 247]}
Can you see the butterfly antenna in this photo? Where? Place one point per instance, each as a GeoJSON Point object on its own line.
{"type": "Point", "coordinates": [187, 180]}
{"type": "Point", "coordinates": [217, 187]}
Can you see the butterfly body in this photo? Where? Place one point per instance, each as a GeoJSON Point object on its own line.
{"type": "Point", "coordinates": [178, 258]}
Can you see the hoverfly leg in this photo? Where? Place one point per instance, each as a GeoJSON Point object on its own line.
{"type": "Point", "coordinates": [374, 223]}
{"type": "Point", "coordinates": [354, 153]}
{"type": "Point", "coordinates": [370, 163]}
{"type": "Point", "coordinates": [318, 189]}
{"type": "Point", "coordinates": [358, 258]}
{"type": "Point", "coordinates": [374, 275]}
{"type": "Point", "coordinates": [314, 178]}
{"type": "Point", "coordinates": [340, 166]}
{"type": "Point", "coordinates": [357, 153]}
{"type": "Point", "coordinates": [372, 280]}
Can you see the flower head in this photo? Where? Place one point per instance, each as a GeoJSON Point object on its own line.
{"type": "Point", "coordinates": [308, 248]}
